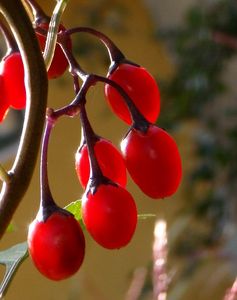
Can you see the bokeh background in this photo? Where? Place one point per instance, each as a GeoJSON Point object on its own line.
{"type": "Point", "coordinates": [189, 46]}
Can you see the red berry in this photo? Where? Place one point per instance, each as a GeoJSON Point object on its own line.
{"type": "Point", "coordinates": [110, 161]}
{"type": "Point", "coordinates": [56, 246]}
{"type": "Point", "coordinates": [59, 63]}
{"type": "Point", "coordinates": [4, 105]}
{"type": "Point", "coordinates": [12, 70]}
{"type": "Point", "coordinates": [153, 161]}
{"type": "Point", "coordinates": [110, 215]}
{"type": "Point", "coordinates": [140, 86]}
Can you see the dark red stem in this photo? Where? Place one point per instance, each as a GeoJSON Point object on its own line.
{"type": "Point", "coordinates": [96, 176]}
{"type": "Point", "coordinates": [116, 56]}
{"type": "Point", "coordinates": [47, 203]}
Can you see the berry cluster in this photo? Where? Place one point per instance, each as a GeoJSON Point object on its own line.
{"type": "Point", "coordinates": [12, 79]}
{"type": "Point", "coordinates": [149, 153]}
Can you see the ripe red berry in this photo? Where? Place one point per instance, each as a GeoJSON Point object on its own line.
{"type": "Point", "coordinates": [12, 70]}
{"type": "Point", "coordinates": [140, 86]}
{"type": "Point", "coordinates": [57, 245]}
{"type": "Point", "coordinates": [153, 161]}
{"type": "Point", "coordinates": [110, 161]}
{"type": "Point", "coordinates": [59, 63]}
{"type": "Point", "coordinates": [4, 105]}
{"type": "Point", "coordinates": [110, 215]}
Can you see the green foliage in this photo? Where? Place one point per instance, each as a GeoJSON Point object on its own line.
{"type": "Point", "coordinates": [194, 93]}
{"type": "Point", "coordinates": [200, 60]}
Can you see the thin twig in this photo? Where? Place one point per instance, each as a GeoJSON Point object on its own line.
{"type": "Point", "coordinates": [160, 277]}
{"type": "Point", "coordinates": [137, 284]}
{"type": "Point", "coordinates": [231, 293]}
{"type": "Point", "coordinates": [52, 33]}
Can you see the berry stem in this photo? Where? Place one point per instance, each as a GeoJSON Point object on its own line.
{"type": "Point", "coordinates": [44, 184]}
{"type": "Point", "coordinates": [96, 175]}
{"type": "Point", "coordinates": [139, 121]}
{"type": "Point", "coordinates": [74, 68]}
{"type": "Point", "coordinates": [116, 56]}
{"type": "Point", "coordinates": [47, 204]}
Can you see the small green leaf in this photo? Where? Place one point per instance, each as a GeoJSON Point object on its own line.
{"type": "Point", "coordinates": [75, 209]}
{"type": "Point", "coordinates": [10, 227]}
{"type": "Point", "coordinates": [12, 258]}
{"type": "Point", "coordinates": [145, 216]}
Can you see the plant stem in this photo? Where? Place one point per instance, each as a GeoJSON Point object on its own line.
{"type": "Point", "coordinates": [10, 41]}
{"type": "Point", "coordinates": [36, 87]}
{"type": "Point", "coordinates": [115, 54]}
{"type": "Point", "coordinates": [139, 121]}
{"type": "Point", "coordinates": [52, 33]}
{"type": "Point", "coordinates": [160, 277]}
{"type": "Point", "coordinates": [38, 13]}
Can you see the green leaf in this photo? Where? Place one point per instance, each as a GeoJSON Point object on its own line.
{"type": "Point", "coordinates": [145, 216]}
{"type": "Point", "coordinates": [11, 258]}
{"type": "Point", "coordinates": [75, 209]}
{"type": "Point", "coordinates": [10, 227]}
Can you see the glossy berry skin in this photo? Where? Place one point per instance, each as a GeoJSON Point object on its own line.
{"type": "Point", "coordinates": [12, 70]}
{"type": "Point", "coordinates": [59, 63]}
{"type": "Point", "coordinates": [110, 161]}
{"type": "Point", "coordinates": [56, 246]}
{"type": "Point", "coordinates": [153, 161]}
{"type": "Point", "coordinates": [4, 105]}
{"type": "Point", "coordinates": [140, 86]}
{"type": "Point", "coordinates": [110, 215]}
{"type": "Point", "coordinates": [3, 110]}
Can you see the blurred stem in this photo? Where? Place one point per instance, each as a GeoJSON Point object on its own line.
{"type": "Point", "coordinates": [231, 293]}
{"type": "Point", "coordinates": [36, 87]}
{"type": "Point", "coordinates": [53, 30]}
{"type": "Point", "coordinates": [160, 250]}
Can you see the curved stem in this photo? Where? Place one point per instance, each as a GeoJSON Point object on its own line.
{"type": "Point", "coordinates": [10, 41]}
{"type": "Point", "coordinates": [53, 30]}
{"type": "Point", "coordinates": [38, 13]}
{"type": "Point", "coordinates": [44, 182]}
{"type": "Point", "coordinates": [96, 175]}
{"type": "Point", "coordinates": [36, 87]}
{"type": "Point", "coordinates": [114, 53]}
{"type": "Point", "coordinates": [139, 121]}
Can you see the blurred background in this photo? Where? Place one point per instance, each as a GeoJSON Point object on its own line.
{"type": "Point", "coordinates": [189, 46]}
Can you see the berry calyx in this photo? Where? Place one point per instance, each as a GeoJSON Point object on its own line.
{"type": "Point", "coordinates": [110, 215]}
{"type": "Point", "coordinates": [141, 88]}
{"type": "Point", "coordinates": [109, 159]}
{"type": "Point", "coordinates": [59, 63]}
{"type": "Point", "coordinates": [153, 161]}
{"type": "Point", "coordinates": [56, 245]}
{"type": "Point", "coordinates": [12, 71]}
